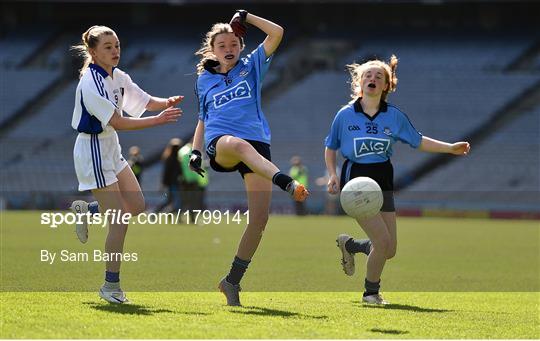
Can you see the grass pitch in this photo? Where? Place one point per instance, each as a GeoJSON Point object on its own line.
{"type": "Point", "coordinates": [452, 278]}
{"type": "Point", "coordinates": [271, 315]}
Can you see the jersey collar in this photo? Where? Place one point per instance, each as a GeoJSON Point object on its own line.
{"type": "Point", "coordinates": [100, 70]}
{"type": "Point", "coordinates": [383, 107]}
{"type": "Point", "coordinates": [210, 65]}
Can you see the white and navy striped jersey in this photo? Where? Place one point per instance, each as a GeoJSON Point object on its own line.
{"type": "Point", "coordinates": [98, 95]}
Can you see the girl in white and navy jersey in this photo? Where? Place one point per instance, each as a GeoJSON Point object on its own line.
{"type": "Point", "coordinates": [103, 94]}
{"type": "Point", "coordinates": [365, 131]}
{"type": "Point", "coordinates": [234, 130]}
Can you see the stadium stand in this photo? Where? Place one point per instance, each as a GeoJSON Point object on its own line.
{"type": "Point", "coordinates": [501, 173]}
{"type": "Point", "coordinates": [23, 157]}
{"type": "Point", "coordinates": [18, 45]}
{"type": "Point", "coordinates": [446, 95]}
{"type": "Point", "coordinates": [19, 87]}
{"type": "Point", "coordinates": [41, 138]}
{"type": "Point", "coordinates": [449, 84]}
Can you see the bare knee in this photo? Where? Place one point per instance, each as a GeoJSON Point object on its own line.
{"type": "Point", "coordinates": [391, 252]}
{"type": "Point", "coordinates": [382, 246]}
{"type": "Point", "coordinates": [392, 248]}
{"type": "Point", "coordinates": [238, 146]}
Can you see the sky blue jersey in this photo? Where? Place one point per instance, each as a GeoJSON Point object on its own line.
{"type": "Point", "coordinates": [231, 103]}
{"type": "Point", "coordinates": [364, 139]}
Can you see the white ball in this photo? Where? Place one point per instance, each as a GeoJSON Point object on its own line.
{"type": "Point", "coordinates": [361, 198]}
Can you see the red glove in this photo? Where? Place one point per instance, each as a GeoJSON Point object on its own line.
{"type": "Point", "coordinates": [238, 23]}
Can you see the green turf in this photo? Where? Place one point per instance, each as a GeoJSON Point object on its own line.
{"type": "Point", "coordinates": [271, 315]}
{"type": "Point", "coordinates": [296, 254]}
{"type": "Point", "coordinates": [451, 278]}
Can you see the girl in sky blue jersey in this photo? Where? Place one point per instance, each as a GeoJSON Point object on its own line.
{"type": "Point", "coordinates": [365, 131]}
{"type": "Point", "coordinates": [234, 130]}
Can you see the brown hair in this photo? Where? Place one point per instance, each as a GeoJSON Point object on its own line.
{"type": "Point", "coordinates": [90, 40]}
{"type": "Point", "coordinates": [357, 71]}
{"type": "Point", "coordinates": [208, 44]}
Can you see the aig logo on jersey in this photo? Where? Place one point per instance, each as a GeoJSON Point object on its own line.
{"type": "Point", "coordinates": [364, 146]}
{"type": "Point", "coordinates": [239, 91]}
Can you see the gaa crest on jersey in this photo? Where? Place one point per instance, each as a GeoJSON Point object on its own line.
{"type": "Point", "coordinates": [387, 131]}
{"type": "Point", "coordinates": [243, 73]}
{"type": "Point", "coordinates": [239, 91]}
{"type": "Point", "coordinates": [364, 146]}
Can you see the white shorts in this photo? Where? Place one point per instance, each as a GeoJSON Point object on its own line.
{"type": "Point", "coordinates": [98, 159]}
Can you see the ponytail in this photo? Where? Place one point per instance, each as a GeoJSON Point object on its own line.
{"type": "Point", "coordinates": [89, 40]}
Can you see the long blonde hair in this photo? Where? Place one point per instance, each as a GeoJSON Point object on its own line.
{"type": "Point", "coordinates": [207, 46]}
{"type": "Point", "coordinates": [357, 71]}
{"type": "Point", "coordinates": [90, 40]}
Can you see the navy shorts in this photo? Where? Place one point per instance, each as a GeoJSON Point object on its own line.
{"type": "Point", "coordinates": [382, 173]}
{"type": "Point", "coordinates": [261, 147]}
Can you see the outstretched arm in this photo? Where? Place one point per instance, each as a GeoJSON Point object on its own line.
{"type": "Point", "coordinates": [435, 146]}
{"type": "Point", "coordinates": [158, 104]}
{"type": "Point", "coordinates": [168, 115]}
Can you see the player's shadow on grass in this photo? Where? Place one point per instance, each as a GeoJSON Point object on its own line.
{"type": "Point", "coordinates": [259, 311]}
{"type": "Point", "coordinates": [404, 307]}
{"type": "Point", "coordinates": [127, 309]}
{"type": "Point", "coordinates": [388, 331]}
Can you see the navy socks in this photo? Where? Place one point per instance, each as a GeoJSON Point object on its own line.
{"type": "Point", "coordinates": [282, 180]}
{"type": "Point", "coordinates": [112, 277]}
{"type": "Point", "coordinates": [372, 288]}
{"type": "Point", "coordinates": [358, 245]}
{"type": "Point", "coordinates": [238, 268]}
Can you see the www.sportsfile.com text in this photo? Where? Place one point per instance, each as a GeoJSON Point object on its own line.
{"type": "Point", "coordinates": [113, 216]}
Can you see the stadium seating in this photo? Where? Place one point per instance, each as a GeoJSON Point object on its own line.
{"type": "Point", "coordinates": [18, 45]}
{"type": "Point", "coordinates": [501, 172]}
{"type": "Point", "coordinates": [19, 87]}
{"type": "Point", "coordinates": [449, 86]}
{"type": "Point", "coordinates": [38, 141]}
